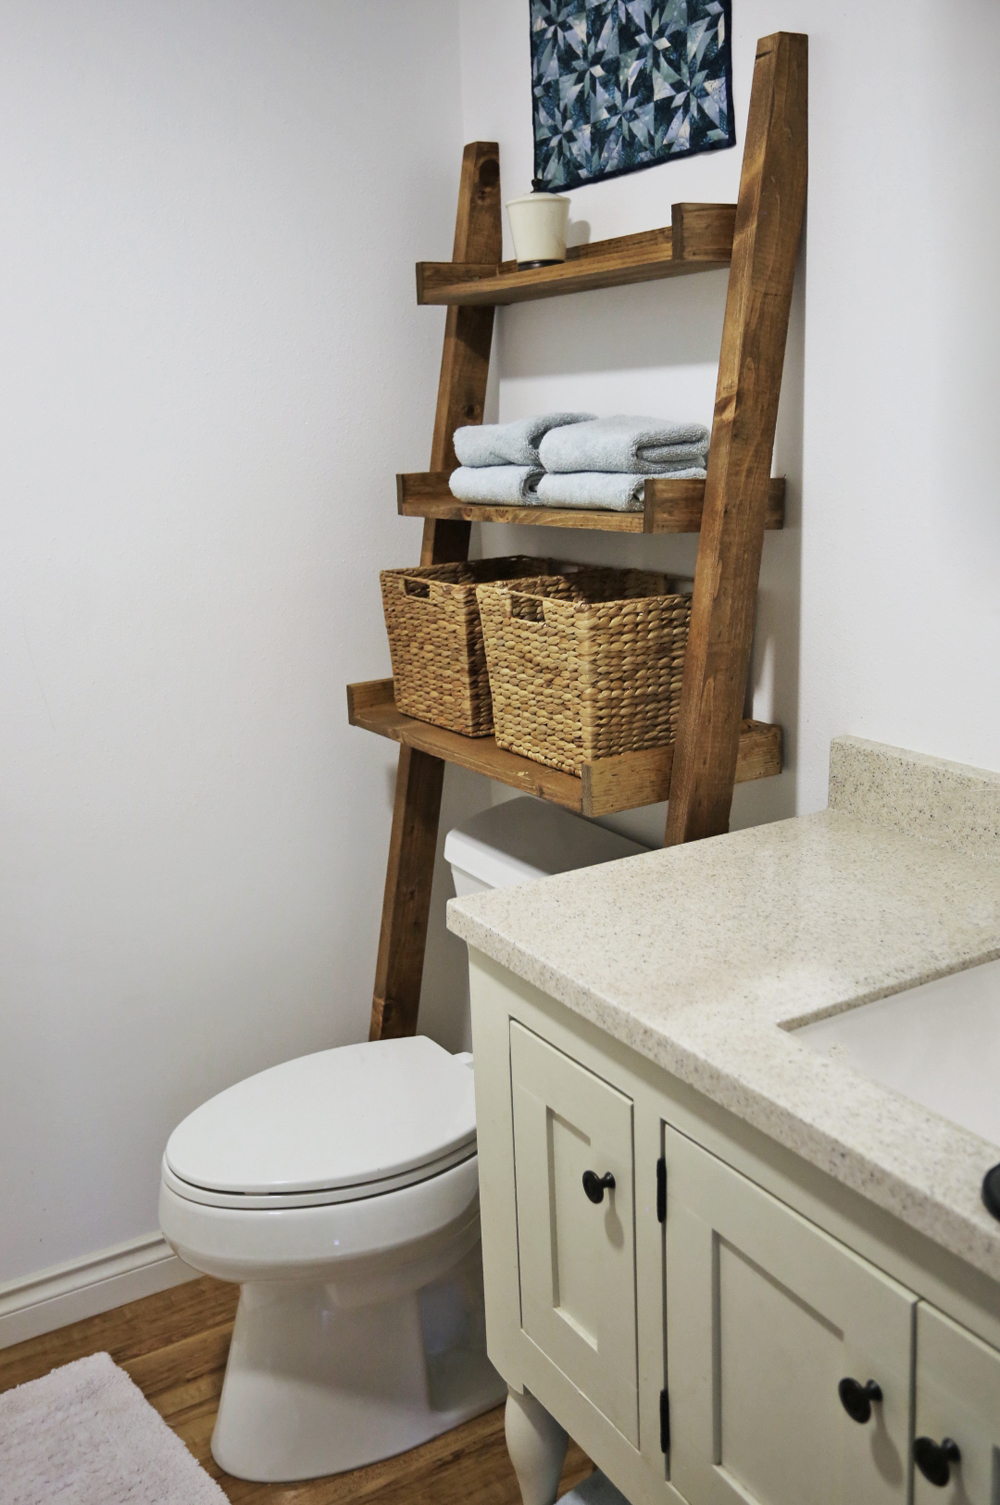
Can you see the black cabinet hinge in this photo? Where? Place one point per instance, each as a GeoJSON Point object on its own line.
{"type": "Point", "coordinates": [664, 1422]}
{"type": "Point", "coordinates": [661, 1190]}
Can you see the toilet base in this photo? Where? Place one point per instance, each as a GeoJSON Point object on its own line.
{"type": "Point", "coordinates": [312, 1388]}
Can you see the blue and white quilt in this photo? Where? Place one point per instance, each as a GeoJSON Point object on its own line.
{"type": "Point", "coordinates": [623, 84]}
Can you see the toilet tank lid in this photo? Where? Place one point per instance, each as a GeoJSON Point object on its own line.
{"type": "Point", "coordinates": [525, 838]}
{"type": "Point", "coordinates": [343, 1117]}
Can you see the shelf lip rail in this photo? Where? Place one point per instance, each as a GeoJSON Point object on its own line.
{"type": "Point", "coordinates": [699, 238]}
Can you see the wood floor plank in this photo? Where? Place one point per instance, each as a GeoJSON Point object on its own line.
{"type": "Point", "coordinates": [194, 1421]}
{"type": "Point", "coordinates": [402, 1477]}
{"type": "Point", "coordinates": [166, 1368]}
{"type": "Point", "coordinates": [179, 1402]}
{"type": "Point", "coordinates": [175, 1344]}
{"type": "Point", "coordinates": [469, 1466]}
{"type": "Point", "coordinates": [127, 1331]}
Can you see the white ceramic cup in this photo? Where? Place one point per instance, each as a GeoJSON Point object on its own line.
{"type": "Point", "coordinates": [538, 224]}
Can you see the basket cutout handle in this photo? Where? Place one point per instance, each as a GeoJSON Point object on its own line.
{"type": "Point", "coordinates": [525, 608]}
{"type": "Point", "coordinates": [419, 588]}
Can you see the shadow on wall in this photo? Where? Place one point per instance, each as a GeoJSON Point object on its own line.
{"type": "Point", "coordinates": [773, 693]}
{"type": "Point", "coordinates": [444, 1014]}
{"type": "Point", "coordinates": [651, 327]}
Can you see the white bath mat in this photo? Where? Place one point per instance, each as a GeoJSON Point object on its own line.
{"type": "Point", "coordinates": [86, 1435]}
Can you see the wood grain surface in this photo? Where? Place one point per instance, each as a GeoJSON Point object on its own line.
{"type": "Point", "coordinates": [765, 246]}
{"type": "Point", "coordinates": [669, 507]}
{"type": "Point", "coordinates": [622, 782]}
{"type": "Point", "coordinates": [698, 239]}
{"type": "Point", "coordinates": [468, 337]}
{"type": "Point", "coordinates": [407, 897]}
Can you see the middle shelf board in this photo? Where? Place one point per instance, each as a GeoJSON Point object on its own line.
{"type": "Point", "coordinates": [622, 782]}
{"type": "Point", "coordinates": [669, 507]}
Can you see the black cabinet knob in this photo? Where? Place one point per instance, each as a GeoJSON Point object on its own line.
{"type": "Point", "coordinates": [594, 1185]}
{"type": "Point", "coordinates": [991, 1191]}
{"type": "Point", "coordinates": [934, 1459]}
{"type": "Point", "coordinates": [857, 1399]}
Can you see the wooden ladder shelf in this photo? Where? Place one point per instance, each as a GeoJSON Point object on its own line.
{"type": "Point", "coordinates": [757, 238]}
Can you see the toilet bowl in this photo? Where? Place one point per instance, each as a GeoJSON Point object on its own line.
{"type": "Point", "coordinates": [340, 1191]}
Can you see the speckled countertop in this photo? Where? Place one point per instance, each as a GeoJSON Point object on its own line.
{"type": "Point", "coordinates": [701, 957]}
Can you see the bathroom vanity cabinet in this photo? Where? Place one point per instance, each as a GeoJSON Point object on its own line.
{"type": "Point", "coordinates": [710, 1316]}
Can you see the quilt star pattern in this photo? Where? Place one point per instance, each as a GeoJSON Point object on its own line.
{"type": "Point", "coordinates": [622, 84]}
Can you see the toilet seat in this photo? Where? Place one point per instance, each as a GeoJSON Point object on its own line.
{"type": "Point", "coordinates": [340, 1239]}
{"type": "Point", "coordinates": [329, 1196]}
{"type": "Point", "coordinates": [340, 1125]}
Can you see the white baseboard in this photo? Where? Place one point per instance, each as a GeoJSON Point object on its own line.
{"type": "Point", "coordinates": [39, 1303]}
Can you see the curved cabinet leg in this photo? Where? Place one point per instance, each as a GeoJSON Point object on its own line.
{"type": "Point", "coordinates": [537, 1447]}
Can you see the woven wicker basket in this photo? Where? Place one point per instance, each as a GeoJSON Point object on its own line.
{"type": "Point", "coordinates": [436, 639]}
{"type": "Point", "coordinates": [584, 666]}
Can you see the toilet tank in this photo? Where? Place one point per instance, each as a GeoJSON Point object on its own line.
{"type": "Point", "coordinates": [525, 838]}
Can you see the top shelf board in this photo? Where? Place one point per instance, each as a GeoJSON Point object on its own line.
{"type": "Point", "coordinates": [698, 239]}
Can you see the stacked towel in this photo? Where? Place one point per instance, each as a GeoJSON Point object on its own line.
{"type": "Point", "coordinates": [509, 443]}
{"type": "Point", "coordinates": [604, 464]}
{"type": "Point", "coordinates": [631, 446]}
{"type": "Point", "coordinates": [499, 461]}
{"type": "Point", "coordinates": [575, 460]}
{"type": "Point", "coordinates": [603, 491]}
{"type": "Point", "coordinates": [514, 484]}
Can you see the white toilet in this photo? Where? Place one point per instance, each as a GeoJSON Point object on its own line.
{"type": "Point", "coordinates": [340, 1190]}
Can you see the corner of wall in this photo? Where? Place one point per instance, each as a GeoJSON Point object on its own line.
{"type": "Point", "coordinates": [944, 803]}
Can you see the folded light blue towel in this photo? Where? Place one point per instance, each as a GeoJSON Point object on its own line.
{"type": "Point", "coordinates": [511, 484]}
{"type": "Point", "coordinates": [603, 489]}
{"type": "Point", "coordinates": [596, 1489]}
{"type": "Point", "coordinates": [638, 446]}
{"type": "Point", "coordinates": [508, 443]}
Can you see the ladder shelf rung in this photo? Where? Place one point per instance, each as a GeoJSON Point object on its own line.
{"type": "Point", "coordinates": [623, 782]}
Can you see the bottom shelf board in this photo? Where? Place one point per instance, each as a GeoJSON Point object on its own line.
{"type": "Point", "coordinates": [622, 782]}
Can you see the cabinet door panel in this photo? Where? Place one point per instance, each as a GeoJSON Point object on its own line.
{"type": "Point", "coordinates": [765, 1315]}
{"type": "Point", "coordinates": [958, 1396]}
{"type": "Point", "coordinates": [577, 1258]}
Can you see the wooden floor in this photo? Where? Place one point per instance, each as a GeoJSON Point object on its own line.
{"type": "Point", "coordinates": [174, 1346]}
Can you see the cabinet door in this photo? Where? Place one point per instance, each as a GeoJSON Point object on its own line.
{"type": "Point", "coordinates": [577, 1258]}
{"type": "Point", "coordinates": [958, 1396]}
{"type": "Point", "coordinates": [765, 1315]}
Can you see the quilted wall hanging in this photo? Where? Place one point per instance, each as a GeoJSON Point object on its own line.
{"type": "Point", "coordinates": [622, 84]}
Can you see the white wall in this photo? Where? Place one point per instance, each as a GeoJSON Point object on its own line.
{"type": "Point", "coordinates": [212, 367]}
{"type": "Point", "coordinates": [880, 608]}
